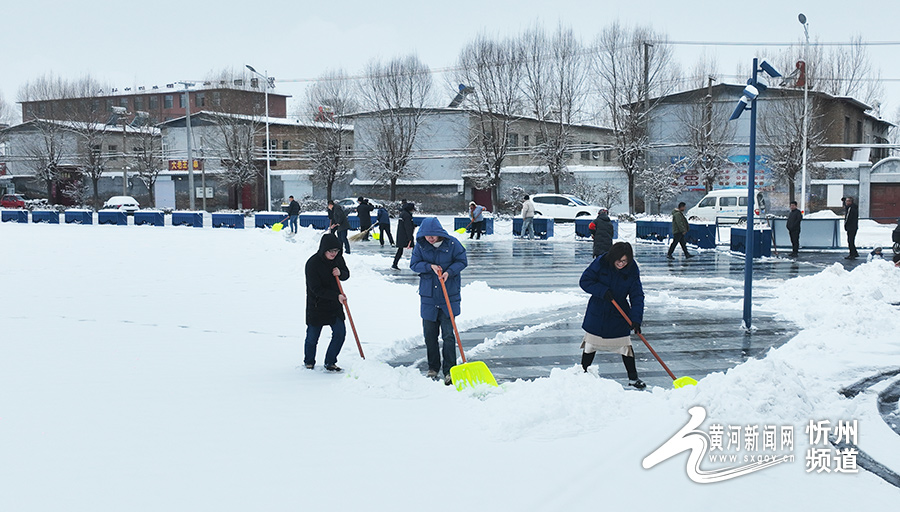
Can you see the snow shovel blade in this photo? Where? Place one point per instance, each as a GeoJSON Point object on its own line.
{"type": "Point", "coordinates": [277, 226]}
{"type": "Point", "coordinates": [471, 374]}
{"type": "Point", "coordinates": [684, 381]}
{"type": "Point", "coordinates": [460, 231]}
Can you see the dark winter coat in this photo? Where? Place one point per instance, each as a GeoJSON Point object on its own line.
{"type": "Point", "coordinates": [851, 217]}
{"type": "Point", "coordinates": [339, 216]}
{"type": "Point", "coordinates": [451, 256]}
{"type": "Point", "coordinates": [679, 222]}
{"type": "Point", "coordinates": [793, 220]}
{"type": "Point", "coordinates": [895, 235]}
{"type": "Point", "coordinates": [384, 217]}
{"type": "Point", "coordinates": [294, 208]}
{"type": "Point", "coordinates": [322, 304]}
{"type": "Point", "coordinates": [602, 318]}
{"type": "Point", "coordinates": [405, 226]}
{"type": "Point", "coordinates": [602, 230]}
{"type": "Point", "coordinates": [364, 212]}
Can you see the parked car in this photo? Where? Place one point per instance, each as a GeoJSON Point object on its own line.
{"type": "Point", "coordinates": [126, 204]}
{"type": "Point", "coordinates": [349, 204]}
{"type": "Point", "coordinates": [562, 207]}
{"type": "Point", "coordinates": [727, 205]}
{"type": "Point", "coordinates": [12, 201]}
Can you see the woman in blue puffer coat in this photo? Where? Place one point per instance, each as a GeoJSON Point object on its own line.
{"type": "Point", "coordinates": [613, 276]}
{"type": "Point", "coordinates": [438, 257]}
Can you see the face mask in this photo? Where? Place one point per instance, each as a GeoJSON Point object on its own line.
{"type": "Point", "coordinates": [438, 243]}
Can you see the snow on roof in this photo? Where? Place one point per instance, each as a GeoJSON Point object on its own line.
{"type": "Point", "coordinates": [370, 183]}
{"type": "Point", "coordinates": [280, 121]}
{"type": "Point", "coordinates": [532, 169]}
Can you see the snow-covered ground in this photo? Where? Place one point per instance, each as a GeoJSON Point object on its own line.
{"type": "Point", "coordinates": [146, 368]}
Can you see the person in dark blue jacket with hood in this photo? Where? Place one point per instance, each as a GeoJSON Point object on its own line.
{"type": "Point", "coordinates": [613, 276]}
{"type": "Point", "coordinates": [438, 256]}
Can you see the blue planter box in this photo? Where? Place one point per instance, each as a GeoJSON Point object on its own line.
{"type": "Point", "coordinates": [267, 220]}
{"type": "Point", "coordinates": [762, 242]}
{"type": "Point", "coordinates": [543, 227]}
{"type": "Point", "coordinates": [228, 220]}
{"type": "Point", "coordinates": [701, 235]}
{"type": "Point", "coordinates": [194, 219]}
{"type": "Point", "coordinates": [20, 216]}
{"type": "Point", "coordinates": [653, 230]}
{"type": "Point", "coordinates": [582, 228]}
{"type": "Point", "coordinates": [152, 218]}
{"type": "Point", "coordinates": [114, 217]}
{"type": "Point", "coordinates": [461, 222]}
{"type": "Point", "coordinates": [45, 216]}
{"type": "Point", "coordinates": [314, 221]}
{"type": "Point", "coordinates": [79, 217]}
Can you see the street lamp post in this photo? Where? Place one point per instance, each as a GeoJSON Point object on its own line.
{"type": "Point", "coordinates": [805, 72]}
{"type": "Point", "coordinates": [748, 101]}
{"type": "Point", "coordinates": [122, 113]}
{"type": "Point", "coordinates": [190, 156]}
{"type": "Point", "coordinates": [268, 144]}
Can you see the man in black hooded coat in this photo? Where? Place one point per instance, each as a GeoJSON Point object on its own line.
{"type": "Point", "coordinates": [324, 301]}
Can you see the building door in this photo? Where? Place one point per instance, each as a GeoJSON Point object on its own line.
{"type": "Point", "coordinates": [885, 202]}
{"type": "Point", "coordinates": [164, 194]}
{"type": "Point", "coordinates": [483, 197]}
{"type": "Point", "coordinates": [247, 197]}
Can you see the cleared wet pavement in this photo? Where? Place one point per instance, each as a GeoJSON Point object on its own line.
{"type": "Point", "coordinates": [692, 342]}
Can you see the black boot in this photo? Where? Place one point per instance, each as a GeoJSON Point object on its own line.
{"type": "Point", "coordinates": [587, 359]}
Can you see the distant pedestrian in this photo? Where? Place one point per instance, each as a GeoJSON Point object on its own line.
{"type": "Point", "coordinates": [851, 225]}
{"type": "Point", "coordinates": [405, 229]}
{"type": "Point", "coordinates": [793, 226]}
{"type": "Point", "coordinates": [875, 255]}
{"type": "Point", "coordinates": [324, 300]}
{"type": "Point", "coordinates": [895, 237]}
{"type": "Point", "coordinates": [680, 228]}
{"type": "Point", "coordinates": [384, 225]}
{"type": "Point", "coordinates": [601, 230]}
{"type": "Point", "coordinates": [896, 260]}
{"type": "Point", "coordinates": [476, 218]}
{"type": "Point", "coordinates": [339, 223]}
{"type": "Point", "coordinates": [438, 257]}
{"type": "Point", "coordinates": [528, 218]}
{"type": "Point", "coordinates": [613, 276]}
{"type": "Point", "coordinates": [364, 213]}
{"type": "Point", "coordinates": [293, 214]}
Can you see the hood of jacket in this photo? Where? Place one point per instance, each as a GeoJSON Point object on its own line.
{"type": "Point", "coordinates": [602, 215]}
{"type": "Point", "coordinates": [328, 242]}
{"type": "Point", "coordinates": [431, 227]}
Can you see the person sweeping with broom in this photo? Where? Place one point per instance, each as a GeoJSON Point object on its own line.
{"type": "Point", "coordinates": [613, 276]}
{"type": "Point", "coordinates": [324, 300]}
{"type": "Point", "coordinates": [437, 256]}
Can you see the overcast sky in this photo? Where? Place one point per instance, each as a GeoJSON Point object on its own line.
{"type": "Point", "coordinates": [128, 44]}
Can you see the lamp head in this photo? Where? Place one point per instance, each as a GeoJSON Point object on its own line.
{"type": "Point", "coordinates": [741, 106]}
{"type": "Point", "coordinates": [802, 18]}
{"type": "Point", "coordinates": [765, 66]}
{"type": "Point", "coordinates": [250, 68]}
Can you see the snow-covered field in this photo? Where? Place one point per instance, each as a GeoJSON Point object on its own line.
{"type": "Point", "coordinates": [146, 368]}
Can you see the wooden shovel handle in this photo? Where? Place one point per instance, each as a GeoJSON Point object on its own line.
{"type": "Point", "coordinates": [352, 326]}
{"type": "Point", "coordinates": [452, 319]}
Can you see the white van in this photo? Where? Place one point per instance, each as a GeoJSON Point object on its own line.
{"type": "Point", "coordinates": [727, 205]}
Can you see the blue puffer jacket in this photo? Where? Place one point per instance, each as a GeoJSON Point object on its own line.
{"type": "Point", "coordinates": [602, 318]}
{"type": "Point", "coordinates": [450, 255]}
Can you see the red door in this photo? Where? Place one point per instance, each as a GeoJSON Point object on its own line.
{"type": "Point", "coordinates": [483, 197]}
{"type": "Point", "coordinates": [885, 202]}
{"type": "Point", "coordinates": [247, 197]}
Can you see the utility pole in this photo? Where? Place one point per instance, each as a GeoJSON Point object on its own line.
{"type": "Point", "coordinates": [805, 75]}
{"type": "Point", "coordinates": [707, 127]}
{"type": "Point", "coordinates": [190, 156]}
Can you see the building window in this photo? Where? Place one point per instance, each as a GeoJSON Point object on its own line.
{"type": "Point", "coordinates": [216, 99]}
{"type": "Point", "coordinates": [525, 142]}
{"type": "Point", "coordinates": [586, 154]}
{"type": "Point", "coordinates": [201, 99]}
{"type": "Point", "coordinates": [167, 101]}
{"type": "Point", "coordinates": [139, 103]}
{"type": "Point", "coordinates": [512, 140]}
{"type": "Point", "coordinates": [859, 132]}
{"type": "Point", "coordinates": [286, 145]}
{"type": "Point", "coordinates": [111, 150]}
{"type": "Point", "coordinates": [846, 130]}
{"type": "Point", "coordinates": [154, 102]}
{"type": "Point", "coordinates": [95, 105]}
{"type": "Point", "coordinates": [123, 102]}
{"type": "Point", "coordinates": [181, 103]}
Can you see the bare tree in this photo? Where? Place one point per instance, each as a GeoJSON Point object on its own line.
{"type": "Point", "coordinates": [660, 184]}
{"type": "Point", "coordinates": [781, 129]}
{"type": "Point", "coordinates": [397, 93]}
{"type": "Point", "coordinates": [554, 83]}
{"type": "Point", "coordinates": [237, 139]}
{"type": "Point", "coordinates": [630, 68]}
{"type": "Point", "coordinates": [708, 136]}
{"type": "Point", "coordinates": [7, 112]}
{"type": "Point", "coordinates": [148, 157]}
{"type": "Point", "coordinates": [491, 69]}
{"type": "Point", "coordinates": [46, 152]}
{"type": "Point", "coordinates": [91, 160]}
{"type": "Point", "coordinates": [329, 101]}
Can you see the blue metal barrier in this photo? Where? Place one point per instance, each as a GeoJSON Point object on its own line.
{"type": "Point", "coordinates": [267, 220]}
{"type": "Point", "coordinates": [114, 217]}
{"type": "Point", "coordinates": [463, 222]}
{"type": "Point", "coordinates": [79, 217]}
{"type": "Point", "coordinates": [194, 219]}
{"type": "Point", "coordinates": [543, 227]}
{"type": "Point", "coordinates": [20, 216]}
{"type": "Point", "coordinates": [228, 220]}
{"type": "Point", "coordinates": [48, 216]}
{"type": "Point", "coordinates": [762, 242]}
{"type": "Point", "coordinates": [583, 230]}
{"type": "Point", "coordinates": [152, 218]}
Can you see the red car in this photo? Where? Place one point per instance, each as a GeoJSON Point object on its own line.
{"type": "Point", "coordinates": [12, 201]}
